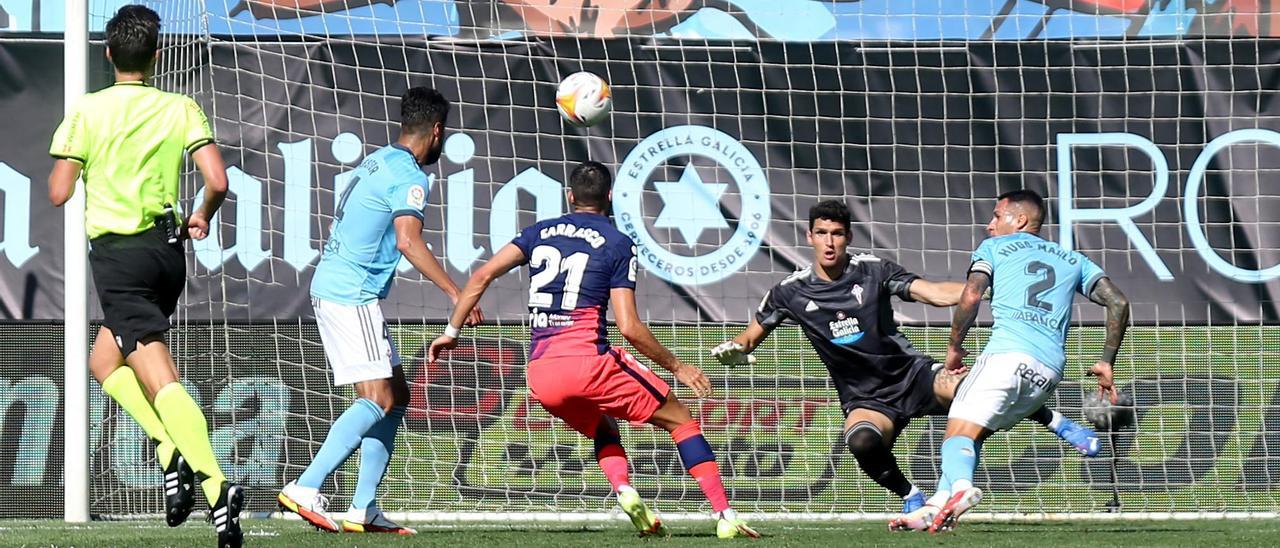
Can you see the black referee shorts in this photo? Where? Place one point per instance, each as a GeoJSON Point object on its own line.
{"type": "Point", "coordinates": [913, 398]}
{"type": "Point", "coordinates": [139, 278]}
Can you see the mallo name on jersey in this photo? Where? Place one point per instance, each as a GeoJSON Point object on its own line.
{"type": "Point", "coordinates": [568, 230]}
{"type": "Point", "coordinates": [1044, 247]}
{"type": "Point", "coordinates": [845, 330]}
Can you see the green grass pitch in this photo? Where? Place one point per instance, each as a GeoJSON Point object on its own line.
{"type": "Point", "coordinates": [294, 534]}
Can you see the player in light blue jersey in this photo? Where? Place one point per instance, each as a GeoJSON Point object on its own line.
{"type": "Point", "coordinates": [379, 220]}
{"type": "Point", "coordinates": [1033, 283]}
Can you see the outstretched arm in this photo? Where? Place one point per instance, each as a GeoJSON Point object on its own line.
{"type": "Point", "coordinates": [409, 242]}
{"type": "Point", "coordinates": [966, 313]}
{"type": "Point", "coordinates": [737, 351]}
{"type": "Point", "coordinates": [1108, 295]}
{"type": "Point", "coordinates": [940, 294]}
{"type": "Point", "coordinates": [507, 258]}
{"type": "Point", "coordinates": [752, 336]}
{"type": "Point", "coordinates": [636, 333]}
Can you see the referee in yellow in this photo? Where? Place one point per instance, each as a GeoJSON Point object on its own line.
{"type": "Point", "coordinates": [128, 142]}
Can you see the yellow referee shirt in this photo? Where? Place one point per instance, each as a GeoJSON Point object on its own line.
{"type": "Point", "coordinates": [130, 138]}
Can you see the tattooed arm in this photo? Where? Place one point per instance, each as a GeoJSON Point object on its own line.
{"type": "Point", "coordinates": [966, 313]}
{"type": "Point", "coordinates": [1108, 295]}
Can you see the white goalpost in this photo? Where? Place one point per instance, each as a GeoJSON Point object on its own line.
{"type": "Point", "coordinates": [75, 289]}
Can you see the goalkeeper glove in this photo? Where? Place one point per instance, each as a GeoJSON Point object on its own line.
{"type": "Point", "coordinates": [732, 353]}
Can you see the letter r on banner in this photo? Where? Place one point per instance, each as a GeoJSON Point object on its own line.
{"type": "Point", "coordinates": [1068, 214]}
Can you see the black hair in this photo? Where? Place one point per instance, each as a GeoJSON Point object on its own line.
{"type": "Point", "coordinates": [133, 35]}
{"type": "Point", "coordinates": [421, 108]}
{"type": "Point", "coordinates": [1027, 198]}
{"type": "Point", "coordinates": [831, 210]}
{"type": "Point", "coordinates": [590, 183]}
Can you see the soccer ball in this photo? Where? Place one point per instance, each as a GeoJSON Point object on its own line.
{"type": "Point", "coordinates": [1109, 416]}
{"type": "Point", "coordinates": [584, 99]}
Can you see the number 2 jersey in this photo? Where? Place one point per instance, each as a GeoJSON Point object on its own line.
{"type": "Point", "coordinates": [574, 261]}
{"type": "Point", "coordinates": [1033, 283]}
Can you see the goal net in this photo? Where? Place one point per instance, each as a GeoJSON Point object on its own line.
{"type": "Point", "coordinates": [728, 125]}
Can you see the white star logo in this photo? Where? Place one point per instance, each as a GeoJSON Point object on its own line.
{"type": "Point", "coordinates": [691, 205]}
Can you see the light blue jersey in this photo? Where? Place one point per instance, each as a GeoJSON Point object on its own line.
{"type": "Point", "coordinates": [1034, 281]}
{"type": "Point", "coordinates": [360, 258]}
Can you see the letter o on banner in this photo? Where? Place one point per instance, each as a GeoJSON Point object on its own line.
{"type": "Point", "coordinates": [1191, 208]}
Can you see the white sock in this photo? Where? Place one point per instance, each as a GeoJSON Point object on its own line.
{"type": "Point", "coordinates": [359, 515]}
{"type": "Point", "coordinates": [960, 485]}
{"type": "Point", "coordinates": [729, 514]}
{"type": "Point", "coordinates": [939, 499]}
{"type": "Point", "coordinates": [298, 492]}
{"type": "Point", "coordinates": [914, 491]}
{"type": "Point", "coordinates": [1056, 421]}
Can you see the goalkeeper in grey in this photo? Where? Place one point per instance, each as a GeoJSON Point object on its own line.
{"type": "Point", "coordinates": [842, 303]}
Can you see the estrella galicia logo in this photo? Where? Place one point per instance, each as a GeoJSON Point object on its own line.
{"type": "Point", "coordinates": [690, 205]}
{"type": "Point", "coordinates": [845, 329]}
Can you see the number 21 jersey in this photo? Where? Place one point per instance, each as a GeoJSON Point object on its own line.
{"type": "Point", "coordinates": [574, 261]}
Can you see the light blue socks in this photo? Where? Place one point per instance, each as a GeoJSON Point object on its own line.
{"type": "Point", "coordinates": [959, 460]}
{"type": "Point", "coordinates": [344, 436]}
{"type": "Point", "coordinates": [375, 454]}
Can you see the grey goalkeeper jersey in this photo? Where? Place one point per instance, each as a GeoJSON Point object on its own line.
{"type": "Point", "coordinates": [850, 323]}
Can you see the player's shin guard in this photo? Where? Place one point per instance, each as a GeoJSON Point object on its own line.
{"type": "Point", "coordinates": [700, 461]}
{"type": "Point", "coordinates": [375, 453]}
{"type": "Point", "coordinates": [343, 438]}
{"type": "Point", "coordinates": [875, 457]}
{"type": "Point", "coordinates": [959, 459]}
{"type": "Point", "coordinates": [123, 387]}
{"type": "Point", "coordinates": [185, 423]}
{"type": "Point", "coordinates": [611, 457]}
